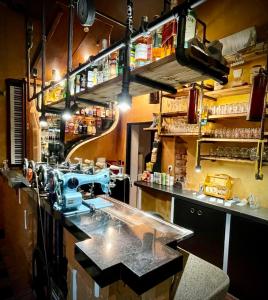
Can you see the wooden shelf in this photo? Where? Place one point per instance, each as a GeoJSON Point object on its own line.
{"type": "Point", "coordinates": [251, 53]}
{"type": "Point", "coordinates": [240, 90]}
{"type": "Point", "coordinates": [230, 116]}
{"type": "Point", "coordinates": [230, 140]}
{"type": "Point", "coordinates": [150, 129]}
{"type": "Point", "coordinates": [166, 70]}
{"type": "Point", "coordinates": [174, 114]}
{"type": "Point", "coordinates": [235, 160]}
{"type": "Point", "coordinates": [180, 134]}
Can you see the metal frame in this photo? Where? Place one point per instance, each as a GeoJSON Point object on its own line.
{"type": "Point", "coordinates": [181, 55]}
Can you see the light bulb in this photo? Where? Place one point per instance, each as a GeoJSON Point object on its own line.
{"type": "Point", "coordinates": [66, 116]}
{"type": "Point", "coordinates": [124, 101]}
{"type": "Point", "coordinates": [198, 169]}
{"type": "Point", "coordinates": [43, 121]}
{"type": "Point", "coordinates": [124, 106]}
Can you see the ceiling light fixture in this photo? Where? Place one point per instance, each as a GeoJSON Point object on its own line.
{"type": "Point", "coordinates": [43, 120]}
{"type": "Point", "coordinates": [124, 101]}
{"type": "Point", "coordinates": [67, 114]}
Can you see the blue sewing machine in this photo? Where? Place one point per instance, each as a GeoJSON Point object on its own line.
{"type": "Point", "coordinates": [64, 188]}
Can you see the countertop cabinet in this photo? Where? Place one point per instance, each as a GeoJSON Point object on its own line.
{"type": "Point", "coordinates": [208, 226]}
{"type": "Point", "coordinates": [248, 261]}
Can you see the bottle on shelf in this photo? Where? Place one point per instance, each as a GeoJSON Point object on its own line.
{"type": "Point", "coordinates": [77, 84]}
{"type": "Point", "coordinates": [76, 126]}
{"type": "Point", "coordinates": [190, 29]}
{"type": "Point", "coordinates": [90, 77]}
{"type": "Point", "coordinates": [169, 33]}
{"type": "Point", "coordinates": [113, 65]}
{"type": "Point", "coordinates": [257, 96]}
{"type": "Point", "coordinates": [158, 50]}
{"type": "Point", "coordinates": [143, 47]}
{"type": "Point", "coordinates": [105, 61]}
{"type": "Point", "coordinates": [193, 105]}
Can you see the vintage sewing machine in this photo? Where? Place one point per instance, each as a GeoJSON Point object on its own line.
{"type": "Point", "coordinates": [64, 190]}
{"type": "Point", "coordinates": [64, 185]}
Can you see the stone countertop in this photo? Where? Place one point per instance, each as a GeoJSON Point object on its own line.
{"type": "Point", "coordinates": [134, 246]}
{"type": "Point", "coordinates": [257, 214]}
{"type": "Point", "coordinates": [128, 244]}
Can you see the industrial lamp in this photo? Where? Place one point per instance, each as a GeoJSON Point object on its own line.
{"type": "Point", "coordinates": [124, 101]}
{"type": "Point", "coordinates": [43, 120]}
{"type": "Point", "coordinates": [67, 114]}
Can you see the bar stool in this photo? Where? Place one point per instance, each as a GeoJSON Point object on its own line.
{"type": "Point", "coordinates": [199, 280]}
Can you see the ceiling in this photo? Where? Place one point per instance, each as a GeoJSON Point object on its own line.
{"type": "Point", "coordinates": [84, 44]}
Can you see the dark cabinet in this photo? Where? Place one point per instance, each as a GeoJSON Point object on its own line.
{"type": "Point", "coordinates": [248, 259]}
{"type": "Point", "coordinates": [208, 226]}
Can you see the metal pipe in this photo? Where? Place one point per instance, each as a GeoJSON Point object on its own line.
{"type": "Point", "coordinates": [129, 30]}
{"type": "Point", "coordinates": [29, 45]}
{"type": "Point", "coordinates": [153, 84]}
{"type": "Point", "coordinates": [70, 52]}
{"type": "Point", "coordinates": [43, 55]}
{"type": "Point", "coordinates": [173, 14]}
{"type": "Point", "coordinates": [110, 18]}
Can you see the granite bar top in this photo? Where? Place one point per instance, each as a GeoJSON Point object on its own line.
{"type": "Point", "coordinates": [128, 244]}
{"type": "Point", "coordinates": [257, 214]}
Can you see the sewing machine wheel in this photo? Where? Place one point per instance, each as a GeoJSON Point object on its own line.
{"type": "Point", "coordinates": [72, 183]}
{"type": "Point", "coordinates": [42, 176]}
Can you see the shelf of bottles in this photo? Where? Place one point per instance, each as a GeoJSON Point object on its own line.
{"type": "Point", "coordinates": [148, 49]}
{"type": "Point", "coordinates": [89, 122]}
{"type": "Point", "coordinates": [50, 137]}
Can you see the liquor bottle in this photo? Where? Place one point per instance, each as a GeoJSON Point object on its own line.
{"type": "Point", "coordinates": [169, 33]}
{"type": "Point", "coordinates": [193, 105]}
{"type": "Point", "coordinates": [83, 80]}
{"type": "Point", "coordinates": [98, 111]}
{"type": "Point", "coordinates": [76, 125]}
{"type": "Point", "coordinates": [102, 112]}
{"type": "Point", "coordinates": [141, 51]}
{"type": "Point", "coordinates": [100, 73]}
{"type": "Point", "coordinates": [190, 29]}
{"type": "Point", "coordinates": [113, 65]}
{"type": "Point", "coordinates": [89, 128]}
{"type": "Point", "coordinates": [84, 128]}
{"type": "Point", "coordinates": [95, 74]}
{"type": "Point", "coordinates": [94, 111]}
{"type": "Point", "coordinates": [94, 131]}
{"type": "Point", "coordinates": [80, 127]}
{"type": "Point", "coordinates": [90, 77]}
{"type": "Point", "coordinates": [77, 84]}
{"type": "Point", "coordinates": [158, 51]}
{"type": "Point", "coordinates": [105, 61]}
{"type": "Point", "coordinates": [257, 96]}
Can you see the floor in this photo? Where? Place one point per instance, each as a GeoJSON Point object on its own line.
{"type": "Point", "coordinates": [11, 285]}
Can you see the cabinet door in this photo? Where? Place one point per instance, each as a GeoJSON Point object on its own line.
{"type": "Point", "coordinates": [248, 261]}
{"type": "Point", "coordinates": [208, 226]}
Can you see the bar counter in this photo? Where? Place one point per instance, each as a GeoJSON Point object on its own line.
{"type": "Point", "coordinates": [257, 214]}
{"type": "Point", "coordinates": [122, 244]}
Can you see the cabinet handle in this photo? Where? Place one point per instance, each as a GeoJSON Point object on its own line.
{"type": "Point", "coordinates": [192, 210]}
{"type": "Point", "coordinates": [25, 220]}
{"type": "Point", "coordinates": [199, 212]}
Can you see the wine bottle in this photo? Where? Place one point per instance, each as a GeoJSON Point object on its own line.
{"type": "Point", "coordinates": [193, 105]}
{"type": "Point", "coordinates": [257, 96]}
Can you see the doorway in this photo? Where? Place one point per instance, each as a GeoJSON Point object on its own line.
{"type": "Point", "coordinates": [138, 152]}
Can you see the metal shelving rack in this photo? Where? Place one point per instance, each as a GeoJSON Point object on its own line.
{"type": "Point", "coordinates": [260, 142]}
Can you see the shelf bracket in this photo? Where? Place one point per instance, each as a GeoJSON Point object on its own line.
{"type": "Point", "coordinates": [153, 84]}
